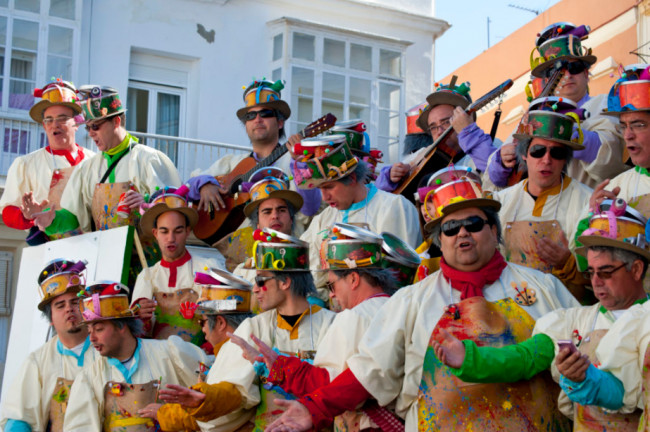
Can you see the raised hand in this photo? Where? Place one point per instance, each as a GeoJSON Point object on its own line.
{"type": "Point", "coordinates": [184, 396]}
{"type": "Point", "coordinates": [212, 197]}
{"type": "Point", "coordinates": [573, 365]}
{"type": "Point", "coordinates": [451, 351]}
{"type": "Point", "coordinates": [30, 207]}
{"type": "Point", "coordinates": [600, 194]}
{"type": "Point", "coordinates": [508, 155]}
{"type": "Point", "coordinates": [133, 199]}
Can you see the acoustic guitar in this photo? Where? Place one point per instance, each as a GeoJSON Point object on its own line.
{"type": "Point", "coordinates": [217, 224]}
{"type": "Point", "coordinates": [428, 163]}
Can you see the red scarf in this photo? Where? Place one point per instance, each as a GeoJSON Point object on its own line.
{"type": "Point", "coordinates": [470, 284]}
{"type": "Point", "coordinates": [172, 266]}
{"type": "Point", "coordinates": [68, 155]}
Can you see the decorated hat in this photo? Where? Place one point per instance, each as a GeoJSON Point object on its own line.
{"type": "Point", "coordinates": [350, 246]}
{"type": "Point", "coordinates": [276, 251]}
{"type": "Point", "coordinates": [57, 92]}
{"type": "Point", "coordinates": [560, 41]}
{"type": "Point", "coordinates": [222, 292]}
{"type": "Point", "coordinates": [631, 91]}
{"type": "Point", "coordinates": [99, 102]}
{"type": "Point", "coordinates": [617, 225]}
{"type": "Point", "coordinates": [270, 182]}
{"type": "Point", "coordinates": [545, 120]}
{"type": "Point", "coordinates": [455, 188]}
{"type": "Point", "coordinates": [359, 142]}
{"type": "Point", "coordinates": [401, 258]}
{"type": "Point", "coordinates": [445, 94]}
{"type": "Point", "coordinates": [263, 93]}
{"type": "Point", "coordinates": [59, 277]}
{"type": "Point", "coordinates": [323, 159]}
{"type": "Point", "coordinates": [164, 200]}
{"type": "Point", "coordinates": [104, 300]}
{"type": "Point", "coordinates": [412, 116]}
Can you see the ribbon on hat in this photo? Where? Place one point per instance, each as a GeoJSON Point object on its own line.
{"type": "Point", "coordinates": [580, 137]}
{"type": "Point", "coordinates": [90, 315]}
{"type": "Point", "coordinates": [613, 228]}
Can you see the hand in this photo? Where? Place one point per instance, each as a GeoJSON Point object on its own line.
{"type": "Point", "coordinates": [44, 220]}
{"type": "Point", "coordinates": [133, 199]}
{"type": "Point", "coordinates": [460, 119]}
{"type": "Point", "coordinates": [29, 206]}
{"type": "Point", "coordinates": [600, 194]}
{"type": "Point", "coordinates": [248, 352]}
{"type": "Point", "coordinates": [184, 396]}
{"type": "Point", "coordinates": [147, 308]}
{"type": "Point", "coordinates": [572, 365]}
{"type": "Point", "coordinates": [398, 171]}
{"type": "Point", "coordinates": [451, 351]}
{"type": "Point", "coordinates": [212, 197]}
{"type": "Point", "coordinates": [552, 253]}
{"type": "Point", "coordinates": [150, 411]}
{"type": "Point", "coordinates": [292, 141]}
{"type": "Point", "coordinates": [508, 155]}
{"type": "Point", "coordinates": [296, 417]}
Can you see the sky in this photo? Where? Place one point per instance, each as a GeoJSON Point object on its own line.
{"type": "Point", "coordinates": [468, 35]}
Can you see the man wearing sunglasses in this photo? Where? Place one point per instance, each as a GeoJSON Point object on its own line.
{"type": "Point", "coordinates": [573, 342]}
{"type": "Point", "coordinates": [476, 295]}
{"type": "Point", "coordinates": [602, 155]}
{"type": "Point", "coordinates": [91, 197]}
{"type": "Point", "coordinates": [540, 214]}
{"type": "Point", "coordinates": [263, 116]}
{"type": "Point", "coordinates": [43, 174]}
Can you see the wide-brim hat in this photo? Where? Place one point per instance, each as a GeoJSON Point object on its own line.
{"type": "Point", "coordinates": [548, 125]}
{"type": "Point", "coordinates": [163, 203]}
{"type": "Point", "coordinates": [288, 195]}
{"type": "Point", "coordinates": [270, 182]}
{"type": "Point", "coordinates": [265, 94]}
{"type": "Point", "coordinates": [631, 92]}
{"type": "Point", "coordinates": [57, 93]}
{"type": "Point", "coordinates": [323, 160]}
{"type": "Point", "coordinates": [560, 41]}
{"type": "Point", "coordinates": [443, 96]}
{"type": "Point", "coordinates": [105, 300]}
{"type": "Point", "coordinates": [60, 276]}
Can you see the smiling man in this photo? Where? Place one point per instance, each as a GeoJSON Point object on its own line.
{"type": "Point", "coordinates": [540, 214]}
{"type": "Point", "coordinates": [475, 295]}
{"type": "Point", "coordinates": [43, 174]}
{"type": "Point", "coordinates": [40, 390]}
{"type": "Point", "coordinates": [90, 199]}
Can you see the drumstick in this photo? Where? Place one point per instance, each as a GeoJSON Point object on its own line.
{"type": "Point", "coordinates": [138, 248]}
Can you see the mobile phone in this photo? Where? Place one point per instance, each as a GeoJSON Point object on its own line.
{"type": "Point", "coordinates": [567, 344]}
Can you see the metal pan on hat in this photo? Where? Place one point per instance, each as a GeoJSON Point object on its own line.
{"type": "Point", "coordinates": [262, 173]}
{"type": "Point", "coordinates": [398, 250]}
{"type": "Point", "coordinates": [286, 237]}
{"type": "Point", "coordinates": [356, 232]}
{"type": "Point", "coordinates": [453, 173]}
{"type": "Point", "coordinates": [630, 213]}
{"type": "Point", "coordinates": [228, 279]}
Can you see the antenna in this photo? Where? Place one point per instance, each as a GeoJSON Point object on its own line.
{"type": "Point", "coordinates": [536, 12]}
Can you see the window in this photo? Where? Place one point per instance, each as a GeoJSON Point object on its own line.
{"type": "Point", "coordinates": [351, 75]}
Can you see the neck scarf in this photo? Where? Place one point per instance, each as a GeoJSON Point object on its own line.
{"type": "Point", "coordinates": [470, 284]}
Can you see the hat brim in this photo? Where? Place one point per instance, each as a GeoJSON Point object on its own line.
{"type": "Point", "coordinates": [36, 112]}
{"type": "Point", "coordinates": [570, 144]}
{"type": "Point", "coordinates": [73, 289]}
{"type": "Point", "coordinates": [617, 114]}
{"type": "Point", "coordinates": [538, 71]}
{"type": "Point", "coordinates": [595, 240]}
{"type": "Point", "coordinates": [288, 195]}
{"type": "Point", "coordinates": [461, 205]}
{"type": "Point", "coordinates": [150, 216]}
{"type": "Point", "coordinates": [278, 105]}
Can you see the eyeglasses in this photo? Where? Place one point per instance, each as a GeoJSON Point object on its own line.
{"type": "Point", "coordinates": [574, 68]}
{"type": "Point", "coordinates": [202, 321]}
{"type": "Point", "coordinates": [472, 224]}
{"type": "Point", "coordinates": [95, 126]}
{"type": "Point", "coordinates": [265, 113]}
{"type": "Point", "coordinates": [58, 120]}
{"type": "Point", "coordinates": [330, 285]}
{"type": "Point", "coordinates": [634, 126]}
{"type": "Point", "coordinates": [602, 274]}
{"type": "Point", "coordinates": [558, 153]}
{"type": "Point", "coordinates": [444, 124]}
{"type": "Point", "coordinates": [261, 280]}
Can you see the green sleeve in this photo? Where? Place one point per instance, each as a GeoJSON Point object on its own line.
{"type": "Point", "coordinates": [63, 222]}
{"type": "Point", "coordinates": [581, 261]}
{"type": "Point", "coordinates": [507, 364]}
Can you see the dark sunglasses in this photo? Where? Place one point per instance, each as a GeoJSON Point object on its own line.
{"type": "Point", "coordinates": [472, 224]}
{"type": "Point", "coordinates": [558, 153]}
{"type": "Point", "coordinates": [574, 68]}
{"type": "Point", "coordinates": [252, 115]}
{"type": "Point", "coordinates": [95, 126]}
{"type": "Point", "coordinates": [261, 280]}
{"type": "Point", "coordinates": [602, 274]}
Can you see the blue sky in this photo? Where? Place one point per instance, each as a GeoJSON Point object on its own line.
{"type": "Point", "coordinates": [467, 36]}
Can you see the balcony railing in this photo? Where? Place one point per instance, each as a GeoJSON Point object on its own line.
{"type": "Point", "coordinates": [20, 137]}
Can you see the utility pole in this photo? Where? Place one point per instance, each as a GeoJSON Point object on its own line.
{"type": "Point", "coordinates": [488, 31]}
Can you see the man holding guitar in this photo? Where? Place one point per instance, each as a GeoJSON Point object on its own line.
{"type": "Point", "coordinates": [263, 116]}
{"type": "Point", "coordinates": [602, 156]}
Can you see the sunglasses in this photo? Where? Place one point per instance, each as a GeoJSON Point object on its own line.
{"type": "Point", "coordinates": [558, 153]}
{"type": "Point", "coordinates": [252, 115]}
{"type": "Point", "coordinates": [472, 224]}
{"type": "Point", "coordinates": [330, 285]}
{"type": "Point", "coordinates": [261, 280]}
{"type": "Point", "coordinates": [602, 274]}
{"type": "Point", "coordinates": [95, 126]}
{"type": "Point", "coordinates": [574, 68]}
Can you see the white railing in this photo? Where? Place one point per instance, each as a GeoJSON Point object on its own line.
{"type": "Point", "coordinates": [20, 137]}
